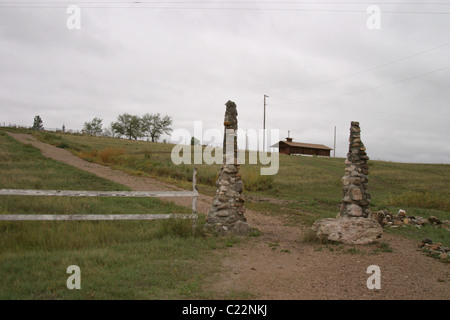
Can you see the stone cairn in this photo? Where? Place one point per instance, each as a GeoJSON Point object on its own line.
{"type": "Point", "coordinates": [354, 223]}
{"type": "Point", "coordinates": [356, 197]}
{"type": "Point", "coordinates": [227, 212]}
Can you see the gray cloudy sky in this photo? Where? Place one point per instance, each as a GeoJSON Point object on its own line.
{"type": "Point", "coordinates": [319, 64]}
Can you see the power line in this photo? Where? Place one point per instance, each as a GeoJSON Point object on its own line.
{"type": "Point", "coordinates": [374, 67]}
{"type": "Point", "coordinates": [254, 111]}
{"type": "Point", "coordinates": [218, 9]}
{"type": "Point", "coordinates": [374, 87]}
{"type": "Point", "coordinates": [372, 111]}
{"type": "Point", "coordinates": [238, 2]}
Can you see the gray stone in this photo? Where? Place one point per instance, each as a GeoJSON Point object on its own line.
{"type": "Point", "coordinates": [241, 228]}
{"type": "Point", "coordinates": [348, 230]}
{"type": "Point", "coordinates": [434, 220]}
{"type": "Point", "coordinates": [356, 194]}
{"type": "Point", "coordinates": [238, 186]}
{"type": "Point", "coordinates": [355, 180]}
{"type": "Point", "coordinates": [354, 210]}
{"type": "Point", "coordinates": [226, 205]}
{"type": "Point", "coordinates": [222, 213]}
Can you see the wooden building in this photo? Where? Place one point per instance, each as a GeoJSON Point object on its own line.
{"type": "Point", "coordinates": [291, 147]}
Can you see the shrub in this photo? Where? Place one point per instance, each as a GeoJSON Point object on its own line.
{"type": "Point", "coordinates": [63, 145]}
{"type": "Point", "coordinates": [109, 155]}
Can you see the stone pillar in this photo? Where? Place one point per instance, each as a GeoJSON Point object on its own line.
{"type": "Point", "coordinates": [227, 212]}
{"type": "Point", "coordinates": [356, 196]}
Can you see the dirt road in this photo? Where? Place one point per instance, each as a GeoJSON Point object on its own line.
{"type": "Point", "coordinates": [278, 265]}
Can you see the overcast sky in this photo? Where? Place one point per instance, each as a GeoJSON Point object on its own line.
{"type": "Point", "coordinates": [320, 65]}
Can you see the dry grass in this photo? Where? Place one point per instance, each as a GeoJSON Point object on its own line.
{"type": "Point", "coordinates": [109, 155]}
{"type": "Point", "coordinates": [419, 199]}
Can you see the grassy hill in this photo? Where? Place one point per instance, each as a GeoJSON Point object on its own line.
{"type": "Point", "coordinates": [110, 254]}
{"type": "Point", "coordinates": [308, 187]}
{"type": "Point", "coordinates": [298, 178]}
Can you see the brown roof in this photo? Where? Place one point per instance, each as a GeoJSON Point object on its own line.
{"type": "Point", "coordinates": [303, 145]}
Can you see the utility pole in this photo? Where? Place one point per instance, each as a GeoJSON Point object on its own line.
{"type": "Point", "coordinates": [334, 147]}
{"type": "Point", "coordinates": [246, 140]}
{"type": "Point", "coordinates": [264, 124]}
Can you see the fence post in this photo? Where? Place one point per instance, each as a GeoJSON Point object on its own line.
{"type": "Point", "coordinates": [194, 199]}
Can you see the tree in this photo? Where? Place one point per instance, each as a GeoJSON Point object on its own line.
{"type": "Point", "coordinates": [154, 125]}
{"type": "Point", "coordinates": [195, 141]}
{"type": "Point", "coordinates": [37, 123]}
{"type": "Point", "coordinates": [107, 132]}
{"type": "Point", "coordinates": [94, 127]}
{"type": "Point", "coordinates": [127, 125]}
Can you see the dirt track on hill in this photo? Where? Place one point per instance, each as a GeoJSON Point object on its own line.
{"type": "Point", "coordinates": [277, 265]}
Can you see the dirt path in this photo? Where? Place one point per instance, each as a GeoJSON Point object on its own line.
{"type": "Point", "coordinates": [277, 265]}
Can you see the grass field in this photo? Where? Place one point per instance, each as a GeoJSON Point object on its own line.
{"type": "Point", "coordinates": [311, 186]}
{"type": "Point", "coordinates": [163, 259]}
{"type": "Point", "coordinates": [118, 259]}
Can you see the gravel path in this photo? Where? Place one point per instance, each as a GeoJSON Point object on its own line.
{"type": "Point", "coordinates": [278, 265]}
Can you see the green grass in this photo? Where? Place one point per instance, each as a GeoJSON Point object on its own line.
{"type": "Point", "coordinates": [311, 186]}
{"type": "Point", "coordinates": [118, 259]}
{"type": "Point", "coordinates": [163, 259]}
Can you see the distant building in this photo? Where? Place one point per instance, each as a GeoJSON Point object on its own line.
{"type": "Point", "coordinates": [291, 147]}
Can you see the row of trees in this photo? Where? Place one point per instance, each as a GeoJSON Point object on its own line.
{"type": "Point", "coordinates": [132, 126]}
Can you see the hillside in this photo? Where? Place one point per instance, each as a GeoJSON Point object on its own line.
{"type": "Point", "coordinates": [308, 188]}
{"type": "Point", "coordinates": [165, 260]}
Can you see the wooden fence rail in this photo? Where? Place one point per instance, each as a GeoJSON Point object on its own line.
{"type": "Point", "coordinates": [73, 193]}
{"type": "Point", "coordinates": [97, 217]}
{"type": "Point", "coordinates": [93, 217]}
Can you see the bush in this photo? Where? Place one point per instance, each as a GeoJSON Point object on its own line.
{"type": "Point", "coordinates": [63, 145]}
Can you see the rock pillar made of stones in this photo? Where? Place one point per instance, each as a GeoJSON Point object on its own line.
{"type": "Point", "coordinates": [227, 211]}
{"type": "Point", "coordinates": [356, 200]}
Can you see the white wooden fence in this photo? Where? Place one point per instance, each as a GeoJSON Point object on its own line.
{"type": "Point", "coordinates": [96, 217]}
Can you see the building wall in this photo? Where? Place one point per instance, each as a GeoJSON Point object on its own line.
{"type": "Point", "coordinates": [284, 149]}
{"type": "Point", "coordinates": [300, 150]}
